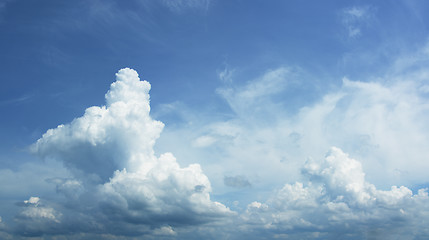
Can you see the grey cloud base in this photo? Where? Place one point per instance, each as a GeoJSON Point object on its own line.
{"type": "Point", "coordinates": [119, 189]}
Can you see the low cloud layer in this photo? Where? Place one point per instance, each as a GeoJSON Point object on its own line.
{"type": "Point", "coordinates": [380, 122]}
{"type": "Point", "coordinates": [116, 187]}
{"type": "Point", "coordinates": [337, 201]}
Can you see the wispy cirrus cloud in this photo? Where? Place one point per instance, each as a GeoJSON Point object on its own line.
{"type": "Point", "coordinates": [17, 100]}
{"type": "Point", "coordinates": [272, 129]}
{"type": "Point", "coordinates": [356, 18]}
{"type": "Point", "coordinates": [180, 6]}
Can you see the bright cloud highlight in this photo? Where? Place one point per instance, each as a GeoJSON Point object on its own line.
{"type": "Point", "coordinates": [119, 186]}
{"type": "Point", "coordinates": [336, 200]}
{"type": "Point", "coordinates": [282, 120]}
{"type": "Point", "coordinates": [117, 179]}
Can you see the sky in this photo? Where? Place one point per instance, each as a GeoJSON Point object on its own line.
{"type": "Point", "coordinates": [214, 119]}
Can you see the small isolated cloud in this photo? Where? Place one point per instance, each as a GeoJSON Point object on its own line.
{"type": "Point", "coordinates": [164, 231]}
{"type": "Point", "coordinates": [36, 218]}
{"type": "Point", "coordinates": [118, 184]}
{"type": "Point", "coordinates": [236, 181]}
{"type": "Point", "coordinates": [355, 18]}
{"type": "Point", "coordinates": [33, 200]}
{"type": "Point", "coordinates": [36, 212]}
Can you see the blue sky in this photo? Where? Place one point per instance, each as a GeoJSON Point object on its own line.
{"type": "Point", "coordinates": [282, 119]}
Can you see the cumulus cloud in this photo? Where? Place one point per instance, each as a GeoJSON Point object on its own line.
{"type": "Point", "coordinates": [116, 136]}
{"type": "Point", "coordinates": [117, 179]}
{"type": "Point", "coordinates": [118, 185]}
{"type": "Point", "coordinates": [35, 218]}
{"type": "Point", "coordinates": [164, 231]}
{"type": "Point", "coordinates": [382, 122]}
{"type": "Point", "coordinates": [167, 193]}
{"type": "Point", "coordinates": [34, 211]}
{"type": "Point", "coordinates": [33, 200]}
{"type": "Point", "coordinates": [337, 201]}
{"type": "Point", "coordinates": [71, 188]}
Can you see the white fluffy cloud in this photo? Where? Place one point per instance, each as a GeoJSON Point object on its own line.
{"type": "Point", "coordinates": [33, 210]}
{"type": "Point", "coordinates": [117, 179]}
{"type": "Point", "coordinates": [116, 136]}
{"type": "Point", "coordinates": [121, 188]}
{"type": "Point", "coordinates": [337, 201]}
{"type": "Point", "coordinates": [383, 123]}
